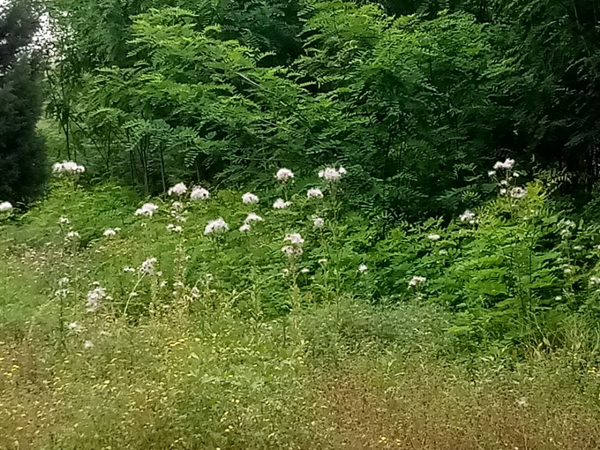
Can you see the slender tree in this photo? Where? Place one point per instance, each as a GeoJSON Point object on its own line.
{"type": "Point", "coordinates": [22, 168]}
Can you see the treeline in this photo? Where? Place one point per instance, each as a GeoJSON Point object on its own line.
{"type": "Point", "coordinates": [415, 98]}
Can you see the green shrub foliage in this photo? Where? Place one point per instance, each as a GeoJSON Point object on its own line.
{"type": "Point", "coordinates": [418, 104]}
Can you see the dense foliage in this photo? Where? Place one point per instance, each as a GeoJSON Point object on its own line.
{"type": "Point", "coordinates": [416, 106]}
{"type": "Point", "coordinates": [286, 224]}
{"type": "Point", "coordinates": [22, 162]}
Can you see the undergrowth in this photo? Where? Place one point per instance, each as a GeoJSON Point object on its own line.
{"type": "Point", "coordinates": [217, 322]}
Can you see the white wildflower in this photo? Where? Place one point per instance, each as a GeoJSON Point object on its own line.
{"type": "Point", "coordinates": [294, 239]}
{"type": "Point", "coordinates": [5, 206]}
{"type": "Point", "coordinates": [314, 193]}
{"type": "Point", "coordinates": [63, 220]}
{"type": "Point", "coordinates": [508, 164]}
{"type": "Point", "coordinates": [67, 168]}
{"type": "Point", "coordinates": [305, 270]}
{"type": "Point", "coordinates": [291, 251]}
{"type": "Point", "coordinates": [503, 191]}
{"type": "Point", "coordinates": [88, 344]}
{"type": "Point", "coordinates": [245, 228]}
{"type": "Point", "coordinates": [558, 298]}
{"type": "Point", "coordinates": [362, 268]}
{"type": "Point", "coordinates": [318, 222]}
{"type": "Point", "coordinates": [74, 326]}
{"type": "Point", "coordinates": [491, 173]}
{"type": "Point", "coordinates": [174, 228]}
{"type": "Point", "coordinates": [286, 272]}
{"type": "Point", "coordinates": [434, 237]}
{"type": "Point", "coordinates": [61, 293]}
{"type": "Point", "coordinates": [467, 216]}
{"type": "Point", "coordinates": [128, 269]}
{"type": "Point", "coordinates": [342, 171]}
{"type": "Point", "coordinates": [148, 266]}
{"type": "Point", "coordinates": [594, 280]}
{"type": "Point", "coordinates": [416, 281]}
{"type": "Point", "coordinates": [177, 206]}
{"type": "Point", "coordinates": [517, 192]}
{"type": "Point", "coordinates": [284, 175]}
{"type": "Point", "coordinates": [332, 174]}
{"type": "Point", "coordinates": [216, 226]}
{"type": "Point", "coordinates": [63, 281]}
{"type": "Point", "coordinates": [147, 209]}
{"type": "Point", "coordinates": [94, 298]}
{"type": "Point", "coordinates": [178, 189]}
{"type": "Point", "coordinates": [110, 232]}
{"type": "Point", "coordinates": [249, 198]}
{"type": "Point", "coordinates": [199, 193]}
{"type": "Point", "coordinates": [252, 218]}
{"type": "Point", "coordinates": [72, 235]}
{"type": "Point", "coordinates": [281, 204]}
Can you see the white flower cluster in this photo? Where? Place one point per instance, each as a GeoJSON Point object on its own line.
{"type": "Point", "coordinates": [295, 248]}
{"type": "Point", "coordinates": [566, 228]}
{"type": "Point", "coordinates": [72, 236]}
{"type": "Point", "coordinates": [252, 217]}
{"type": "Point", "coordinates": [148, 209]}
{"type": "Point", "coordinates": [94, 298]}
{"type": "Point", "coordinates": [294, 238]}
{"type": "Point", "coordinates": [517, 192]}
{"type": "Point", "coordinates": [362, 268]}
{"type": "Point", "coordinates": [281, 204]}
{"type": "Point", "coordinates": [5, 206]}
{"type": "Point", "coordinates": [416, 281]}
{"type": "Point", "coordinates": [284, 175]}
{"type": "Point", "coordinates": [434, 237]}
{"type": "Point", "coordinates": [199, 193]}
{"type": "Point", "coordinates": [332, 174]}
{"type": "Point", "coordinates": [594, 280]}
{"type": "Point", "coordinates": [67, 168]}
{"type": "Point", "coordinates": [174, 228]}
{"type": "Point", "coordinates": [318, 222]}
{"type": "Point", "coordinates": [63, 220]}
{"type": "Point", "coordinates": [249, 198]}
{"type": "Point", "coordinates": [111, 232]}
{"type": "Point", "coordinates": [148, 267]}
{"type": "Point", "coordinates": [178, 189]}
{"type": "Point", "coordinates": [314, 193]}
{"type": "Point", "coordinates": [507, 164]}
{"type": "Point", "coordinates": [467, 216]}
{"type": "Point", "coordinates": [218, 226]}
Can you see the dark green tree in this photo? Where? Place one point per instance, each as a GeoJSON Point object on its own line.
{"type": "Point", "coordinates": [22, 163]}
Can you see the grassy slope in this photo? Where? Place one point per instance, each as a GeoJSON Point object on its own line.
{"type": "Point", "coordinates": [217, 368]}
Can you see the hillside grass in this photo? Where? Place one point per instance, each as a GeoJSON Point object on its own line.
{"type": "Point", "coordinates": [220, 349]}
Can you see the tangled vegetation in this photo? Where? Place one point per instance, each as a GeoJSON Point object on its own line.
{"type": "Point", "coordinates": [299, 224]}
